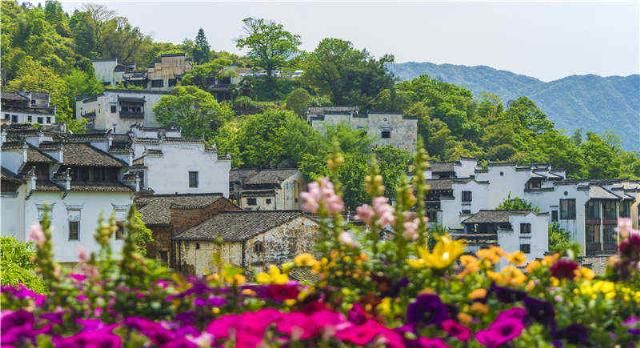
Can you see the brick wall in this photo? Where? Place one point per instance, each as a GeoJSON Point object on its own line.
{"type": "Point", "coordinates": [183, 219]}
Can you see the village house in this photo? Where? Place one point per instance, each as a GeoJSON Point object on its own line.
{"type": "Point", "coordinates": [111, 73]}
{"type": "Point", "coordinates": [166, 72]}
{"type": "Point", "coordinates": [248, 239]}
{"type": "Point", "coordinates": [512, 230]}
{"type": "Point", "coordinates": [587, 209]}
{"type": "Point", "coordinates": [166, 215]}
{"type": "Point", "coordinates": [168, 163]}
{"type": "Point", "coordinates": [119, 110]}
{"type": "Point", "coordinates": [266, 189]}
{"type": "Point", "coordinates": [384, 128]}
{"type": "Point", "coordinates": [72, 177]}
{"type": "Point", "coordinates": [27, 107]}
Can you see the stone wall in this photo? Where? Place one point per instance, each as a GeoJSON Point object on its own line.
{"type": "Point", "coordinates": [597, 263]}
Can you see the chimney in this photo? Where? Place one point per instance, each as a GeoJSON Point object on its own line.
{"type": "Point", "coordinates": [32, 178]}
{"type": "Point", "coordinates": [130, 156]}
{"type": "Point", "coordinates": [110, 139]}
{"type": "Point", "coordinates": [138, 183]}
{"type": "Point", "coordinates": [61, 151]}
{"type": "Point", "coordinates": [67, 180]}
{"type": "Point", "coordinates": [25, 157]}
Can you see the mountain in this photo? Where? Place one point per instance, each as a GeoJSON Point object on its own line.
{"type": "Point", "coordinates": [591, 102]}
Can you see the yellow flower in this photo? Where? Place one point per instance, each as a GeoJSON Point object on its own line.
{"type": "Point", "coordinates": [305, 260]}
{"type": "Point", "coordinates": [384, 307]}
{"type": "Point", "coordinates": [533, 265]}
{"type": "Point", "coordinates": [517, 258]}
{"type": "Point", "coordinates": [550, 259]}
{"type": "Point", "coordinates": [477, 294]}
{"type": "Point", "coordinates": [509, 276]}
{"type": "Point", "coordinates": [238, 279]}
{"type": "Point", "coordinates": [465, 318]}
{"type": "Point", "coordinates": [489, 254]}
{"type": "Point", "coordinates": [479, 308]}
{"type": "Point", "coordinates": [445, 252]}
{"type": "Point", "coordinates": [584, 273]}
{"type": "Point", "coordinates": [273, 277]}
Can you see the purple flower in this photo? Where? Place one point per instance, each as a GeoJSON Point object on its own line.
{"type": "Point", "coordinates": [17, 326]}
{"type": "Point", "coordinates": [564, 268]}
{"type": "Point", "coordinates": [500, 332]}
{"type": "Point", "coordinates": [541, 311]}
{"type": "Point", "coordinates": [427, 309]}
{"type": "Point", "coordinates": [424, 342]}
{"type": "Point", "coordinates": [630, 247]}
{"type": "Point", "coordinates": [358, 315]}
{"type": "Point", "coordinates": [457, 330]}
{"type": "Point", "coordinates": [154, 331]}
{"type": "Point", "coordinates": [517, 313]}
{"type": "Point", "coordinates": [90, 339]}
{"type": "Point", "coordinates": [633, 323]}
{"type": "Point", "coordinates": [575, 334]}
{"type": "Point", "coordinates": [507, 295]}
{"type": "Point", "coordinates": [282, 292]}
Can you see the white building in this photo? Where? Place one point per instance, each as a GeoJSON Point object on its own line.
{"type": "Point", "coordinates": [587, 209]}
{"type": "Point", "coordinates": [119, 110]}
{"type": "Point", "coordinates": [28, 108]}
{"type": "Point", "coordinates": [110, 72]}
{"type": "Point", "coordinates": [512, 230]}
{"type": "Point", "coordinates": [267, 189]}
{"type": "Point", "coordinates": [384, 128]}
{"type": "Point", "coordinates": [167, 163]}
{"type": "Point", "coordinates": [73, 177]}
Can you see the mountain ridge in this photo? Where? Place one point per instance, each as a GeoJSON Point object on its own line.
{"type": "Point", "coordinates": [590, 102]}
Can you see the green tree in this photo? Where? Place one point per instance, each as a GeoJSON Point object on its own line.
{"type": "Point", "coordinates": [347, 75]}
{"type": "Point", "coordinates": [299, 101]}
{"type": "Point", "coordinates": [560, 241]}
{"type": "Point", "coordinates": [269, 45]}
{"type": "Point", "coordinates": [524, 111]}
{"type": "Point", "coordinates": [16, 264]}
{"type": "Point", "coordinates": [201, 52]}
{"type": "Point", "coordinates": [195, 111]}
{"type": "Point", "coordinates": [517, 203]}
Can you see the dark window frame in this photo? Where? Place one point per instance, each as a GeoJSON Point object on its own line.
{"type": "Point", "coordinates": [252, 201]}
{"type": "Point", "coordinates": [74, 230]}
{"type": "Point", "coordinates": [385, 134]}
{"type": "Point", "coordinates": [568, 209]}
{"type": "Point", "coordinates": [525, 228]}
{"type": "Point", "coordinates": [193, 179]}
{"type": "Point", "coordinates": [467, 196]}
{"type": "Point", "coordinates": [525, 248]}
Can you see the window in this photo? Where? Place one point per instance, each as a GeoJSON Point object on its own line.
{"type": "Point", "coordinates": [525, 248]}
{"type": "Point", "coordinates": [14, 118]}
{"type": "Point", "coordinates": [113, 109]}
{"type": "Point", "coordinates": [610, 235]}
{"type": "Point", "coordinates": [173, 82]}
{"type": "Point", "coordinates": [252, 201]}
{"type": "Point", "coordinates": [157, 83]}
{"type": "Point", "coordinates": [593, 233]}
{"type": "Point", "coordinates": [197, 246]}
{"type": "Point", "coordinates": [385, 134]}
{"type": "Point", "coordinates": [554, 216]}
{"type": "Point", "coordinates": [164, 256]}
{"type": "Point", "coordinates": [7, 117]}
{"type": "Point", "coordinates": [40, 120]}
{"type": "Point", "coordinates": [466, 211]}
{"type": "Point", "coordinates": [48, 119]}
{"type": "Point", "coordinates": [258, 247]}
{"type": "Point", "coordinates": [268, 200]}
{"type": "Point", "coordinates": [593, 210]}
{"type": "Point", "coordinates": [432, 216]}
{"type": "Point", "coordinates": [193, 179]}
{"type": "Point", "coordinates": [625, 209]}
{"type": "Point", "coordinates": [609, 210]}
{"type": "Point", "coordinates": [74, 230]}
{"type": "Point", "coordinates": [29, 118]}
{"type": "Point", "coordinates": [525, 228]}
{"type": "Point", "coordinates": [120, 230]}
{"type": "Point", "coordinates": [467, 196]}
{"type": "Point", "coordinates": [568, 209]}
{"type": "Point", "coordinates": [33, 102]}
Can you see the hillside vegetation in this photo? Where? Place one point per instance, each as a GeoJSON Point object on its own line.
{"type": "Point", "coordinates": [262, 123]}
{"type": "Point", "coordinates": [589, 102]}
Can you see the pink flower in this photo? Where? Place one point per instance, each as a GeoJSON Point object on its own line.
{"type": "Point", "coordinates": [424, 342]}
{"type": "Point", "coordinates": [365, 213]}
{"type": "Point", "coordinates": [346, 238]}
{"type": "Point", "coordinates": [410, 229]}
{"type": "Point", "coordinates": [455, 329]}
{"type": "Point", "coordinates": [384, 211]}
{"type": "Point", "coordinates": [83, 254]}
{"type": "Point", "coordinates": [500, 332]}
{"type": "Point", "coordinates": [321, 195]}
{"type": "Point", "coordinates": [37, 235]}
{"type": "Point", "coordinates": [364, 334]}
{"type": "Point", "coordinates": [517, 313]}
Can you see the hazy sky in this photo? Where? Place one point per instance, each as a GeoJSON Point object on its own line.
{"type": "Point", "coordinates": [547, 40]}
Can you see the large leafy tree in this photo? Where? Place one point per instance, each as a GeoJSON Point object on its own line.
{"type": "Point", "coordinates": [347, 75]}
{"type": "Point", "coordinates": [269, 45]}
{"type": "Point", "coordinates": [193, 110]}
{"type": "Point", "coordinates": [201, 52]}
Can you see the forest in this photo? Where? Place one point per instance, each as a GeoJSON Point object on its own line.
{"type": "Point", "coordinates": [262, 123]}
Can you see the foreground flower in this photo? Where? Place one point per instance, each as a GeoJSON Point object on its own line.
{"type": "Point", "coordinates": [500, 332]}
{"type": "Point", "coordinates": [445, 252]}
{"type": "Point", "coordinates": [321, 195]}
{"type": "Point", "coordinates": [36, 235]}
{"type": "Point", "coordinates": [564, 268]}
{"type": "Point", "coordinates": [427, 309]}
{"type": "Point", "coordinates": [457, 330]}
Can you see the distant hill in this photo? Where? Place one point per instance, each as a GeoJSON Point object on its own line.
{"type": "Point", "coordinates": [590, 102]}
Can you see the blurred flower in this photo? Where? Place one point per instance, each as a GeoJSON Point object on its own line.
{"type": "Point", "coordinates": [509, 276]}
{"type": "Point", "coordinates": [411, 229]}
{"type": "Point", "coordinates": [321, 195]}
{"type": "Point", "coordinates": [346, 238]}
{"type": "Point", "coordinates": [507, 295]}
{"type": "Point", "coordinates": [500, 332]}
{"type": "Point", "coordinates": [83, 254]}
{"type": "Point", "coordinates": [273, 277]}
{"type": "Point", "coordinates": [455, 329]}
{"type": "Point", "coordinates": [424, 342]}
{"type": "Point", "coordinates": [427, 309]}
{"type": "Point", "coordinates": [37, 235]}
{"type": "Point", "coordinates": [517, 258]}
{"type": "Point", "coordinates": [539, 310]}
{"type": "Point", "coordinates": [564, 268]}
{"type": "Point", "coordinates": [477, 294]}
{"type": "Point", "coordinates": [365, 213]}
{"type": "Point", "coordinates": [575, 334]}
{"type": "Point", "coordinates": [305, 260]}
{"type": "Point", "coordinates": [517, 313]}
{"type": "Point", "coordinates": [633, 325]}
{"type": "Point", "coordinates": [384, 211]}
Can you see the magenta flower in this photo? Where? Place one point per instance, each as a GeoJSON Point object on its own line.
{"type": "Point", "coordinates": [500, 332]}
{"type": "Point", "coordinates": [427, 309]}
{"type": "Point", "coordinates": [424, 342]}
{"type": "Point", "coordinates": [156, 333]}
{"type": "Point", "coordinates": [517, 313]}
{"type": "Point", "coordinates": [564, 268]}
{"type": "Point", "coordinates": [364, 334]}
{"type": "Point", "coordinates": [455, 329]}
{"type": "Point", "coordinates": [90, 339]}
{"type": "Point", "coordinates": [248, 328]}
{"type": "Point", "coordinates": [282, 292]}
{"type": "Point", "coordinates": [358, 315]}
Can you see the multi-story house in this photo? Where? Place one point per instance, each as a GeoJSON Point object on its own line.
{"type": "Point", "coordinates": [110, 72]}
{"type": "Point", "coordinates": [27, 107]}
{"type": "Point", "coordinates": [76, 179]}
{"type": "Point", "coordinates": [384, 128]}
{"type": "Point", "coordinates": [266, 189]}
{"type": "Point", "coordinates": [164, 74]}
{"type": "Point", "coordinates": [587, 209]}
{"type": "Point", "coordinates": [119, 110]}
{"type": "Point", "coordinates": [168, 163]}
{"type": "Point", "coordinates": [168, 71]}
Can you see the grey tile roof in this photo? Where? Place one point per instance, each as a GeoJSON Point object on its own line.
{"type": "Point", "coordinates": [239, 175]}
{"type": "Point", "coordinates": [440, 184]}
{"type": "Point", "coordinates": [156, 210]}
{"type": "Point", "coordinates": [270, 176]}
{"type": "Point", "coordinates": [239, 226]}
{"type": "Point", "coordinates": [493, 216]}
{"type": "Point", "coordinates": [99, 187]}
{"type": "Point", "coordinates": [85, 155]}
{"type": "Point", "coordinates": [439, 167]}
{"type": "Point", "coordinates": [10, 176]}
{"type": "Point", "coordinates": [598, 192]}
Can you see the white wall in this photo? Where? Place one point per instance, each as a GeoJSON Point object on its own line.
{"type": "Point", "coordinates": [104, 71]}
{"type": "Point", "coordinates": [451, 209]}
{"type": "Point", "coordinates": [169, 173]}
{"type": "Point", "coordinates": [538, 239]}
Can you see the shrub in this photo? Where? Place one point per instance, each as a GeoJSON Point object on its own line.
{"type": "Point", "coordinates": [16, 264]}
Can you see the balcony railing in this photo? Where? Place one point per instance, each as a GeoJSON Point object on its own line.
{"type": "Point", "coordinates": [130, 114]}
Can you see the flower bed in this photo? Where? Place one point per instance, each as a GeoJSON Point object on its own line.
{"type": "Point", "coordinates": [414, 289]}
